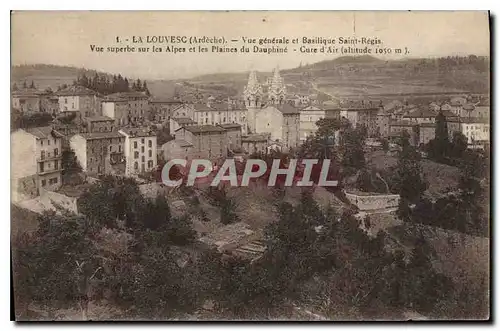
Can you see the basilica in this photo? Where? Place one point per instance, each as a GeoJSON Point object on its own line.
{"type": "Point", "coordinates": [269, 112]}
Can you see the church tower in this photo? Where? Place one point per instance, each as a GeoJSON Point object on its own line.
{"type": "Point", "coordinates": [253, 99]}
{"type": "Point", "coordinates": [277, 89]}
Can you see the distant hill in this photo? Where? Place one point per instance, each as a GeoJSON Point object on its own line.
{"type": "Point", "coordinates": [346, 76]}
{"type": "Point", "coordinates": [46, 75]}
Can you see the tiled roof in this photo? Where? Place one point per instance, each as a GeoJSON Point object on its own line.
{"type": "Point", "coordinates": [469, 106]}
{"type": "Point", "coordinates": [286, 108]}
{"type": "Point", "coordinates": [76, 90]}
{"type": "Point", "coordinates": [99, 118]}
{"type": "Point", "coordinates": [125, 96]}
{"type": "Point", "coordinates": [448, 113]}
{"type": "Point", "coordinates": [422, 112]}
{"type": "Point", "coordinates": [184, 121]}
{"type": "Point", "coordinates": [202, 128]}
{"type": "Point", "coordinates": [230, 126]}
{"type": "Point", "coordinates": [402, 123]}
{"type": "Point", "coordinates": [202, 107]}
{"type": "Point", "coordinates": [164, 100]}
{"type": "Point", "coordinates": [255, 137]}
{"type": "Point", "coordinates": [43, 132]}
{"type": "Point", "coordinates": [138, 132]}
{"type": "Point", "coordinates": [101, 135]}
{"type": "Point", "coordinates": [27, 92]}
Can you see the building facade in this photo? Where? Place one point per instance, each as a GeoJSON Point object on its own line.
{"type": "Point", "coordinates": [209, 141]}
{"type": "Point", "coordinates": [85, 102]}
{"type": "Point", "coordinates": [161, 109]}
{"type": "Point", "coordinates": [140, 150]}
{"type": "Point", "coordinates": [99, 153]}
{"type": "Point", "coordinates": [127, 108]}
{"type": "Point", "coordinates": [233, 134]}
{"type": "Point", "coordinates": [100, 124]}
{"type": "Point", "coordinates": [36, 162]}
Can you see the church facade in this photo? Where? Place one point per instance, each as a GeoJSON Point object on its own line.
{"type": "Point", "coordinates": [269, 112]}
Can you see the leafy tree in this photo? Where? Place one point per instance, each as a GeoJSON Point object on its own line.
{"type": "Point", "coordinates": [409, 180]}
{"type": "Point", "coordinates": [58, 263]}
{"type": "Point", "coordinates": [353, 156]}
{"type": "Point", "coordinates": [458, 145]}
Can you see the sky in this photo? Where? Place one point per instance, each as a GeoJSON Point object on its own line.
{"type": "Point", "coordinates": [64, 38]}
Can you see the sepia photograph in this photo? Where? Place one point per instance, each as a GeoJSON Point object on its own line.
{"type": "Point", "coordinates": [250, 166]}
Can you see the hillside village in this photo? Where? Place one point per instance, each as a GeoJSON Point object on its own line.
{"type": "Point", "coordinates": [414, 183]}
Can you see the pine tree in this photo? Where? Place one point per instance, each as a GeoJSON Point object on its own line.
{"type": "Point", "coordinates": [32, 84]}
{"type": "Point", "coordinates": [25, 85]}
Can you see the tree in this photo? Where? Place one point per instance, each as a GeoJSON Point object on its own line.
{"type": "Point", "coordinates": [145, 88]}
{"type": "Point", "coordinates": [409, 180]}
{"type": "Point", "coordinates": [14, 87]}
{"type": "Point", "coordinates": [458, 144]}
{"type": "Point", "coordinates": [25, 85]}
{"type": "Point", "coordinates": [438, 147]}
{"type": "Point", "coordinates": [353, 155]}
{"type": "Point", "coordinates": [58, 263]}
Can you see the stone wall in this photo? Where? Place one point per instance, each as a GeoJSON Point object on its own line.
{"type": "Point", "coordinates": [58, 199]}
{"type": "Point", "coordinates": [373, 202]}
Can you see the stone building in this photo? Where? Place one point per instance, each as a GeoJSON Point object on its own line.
{"type": "Point", "coordinates": [100, 124]}
{"type": "Point", "coordinates": [209, 141]}
{"type": "Point", "coordinates": [35, 161]}
{"type": "Point", "coordinates": [140, 150]}
{"type": "Point", "coordinates": [127, 108]}
{"type": "Point", "coordinates": [99, 153]}
{"type": "Point", "coordinates": [85, 102]}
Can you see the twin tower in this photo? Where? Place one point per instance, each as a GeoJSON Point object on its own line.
{"type": "Point", "coordinates": [255, 97]}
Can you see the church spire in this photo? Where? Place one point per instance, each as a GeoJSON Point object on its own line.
{"type": "Point", "coordinates": [277, 90]}
{"type": "Point", "coordinates": [253, 91]}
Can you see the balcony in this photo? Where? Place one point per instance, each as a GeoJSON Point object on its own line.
{"type": "Point", "coordinates": [49, 171]}
{"type": "Point", "coordinates": [49, 158]}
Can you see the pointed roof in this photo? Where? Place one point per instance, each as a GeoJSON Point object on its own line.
{"type": "Point", "coordinates": [253, 87]}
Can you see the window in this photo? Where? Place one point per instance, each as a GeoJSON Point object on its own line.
{"type": "Point", "coordinates": [142, 149]}
{"type": "Point", "coordinates": [150, 143]}
{"type": "Point", "coordinates": [56, 165]}
{"type": "Point", "coordinates": [110, 148]}
{"type": "Point", "coordinates": [41, 167]}
{"type": "Point", "coordinates": [136, 165]}
{"type": "Point", "coordinates": [48, 142]}
{"type": "Point", "coordinates": [150, 153]}
{"type": "Point", "coordinates": [44, 182]}
{"type": "Point", "coordinates": [42, 155]}
{"type": "Point", "coordinates": [136, 155]}
{"type": "Point", "coordinates": [41, 142]}
{"type": "Point", "coordinates": [56, 152]}
{"type": "Point", "coordinates": [119, 148]}
{"type": "Point", "coordinates": [150, 164]}
{"type": "Point", "coordinates": [142, 158]}
{"type": "Point", "coordinates": [142, 141]}
{"type": "Point", "coordinates": [135, 144]}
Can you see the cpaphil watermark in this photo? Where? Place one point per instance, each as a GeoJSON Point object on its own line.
{"type": "Point", "coordinates": [307, 172]}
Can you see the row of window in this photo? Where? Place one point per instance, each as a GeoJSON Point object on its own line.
{"type": "Point", "coordinates": [150, 164]}
{"type": "Point", "coordinates": [136, 154]}
{"type": "Point", "coordinates": [150, 143]}
{"type": "Point", "coordinates": [42, 153]}
{"type": "Point", "coordinates": [48, 141]}
{"type": "Point", "coordinates": [51, 181]}
{"type": "Point", "coordinates": [42, 166]}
